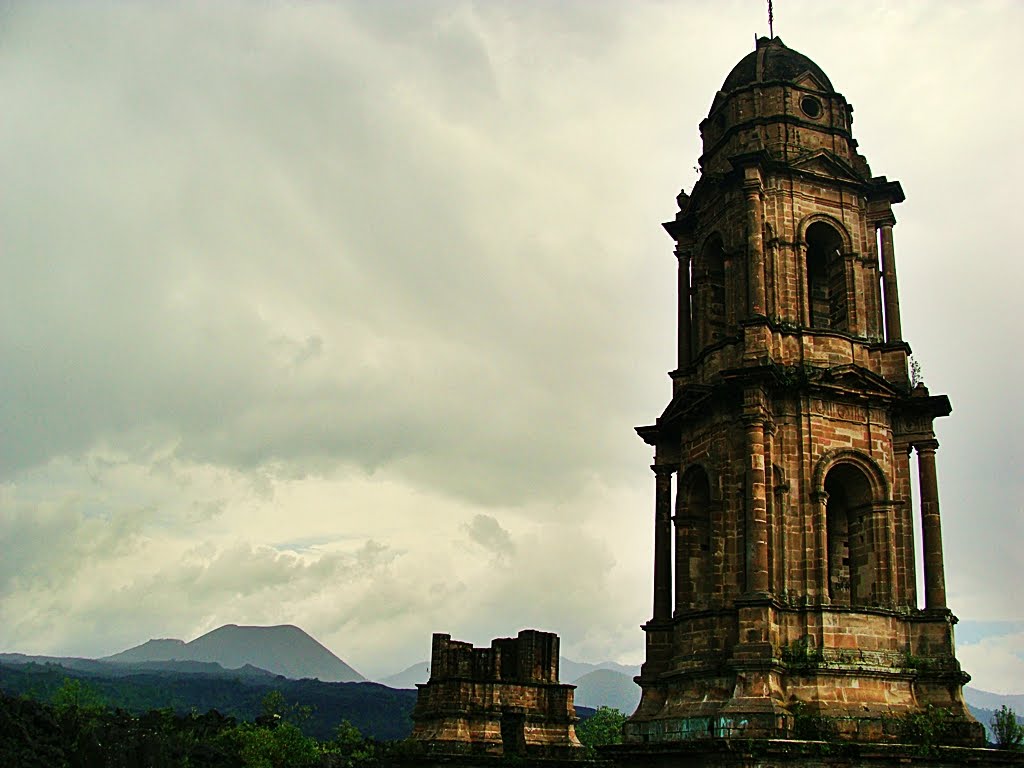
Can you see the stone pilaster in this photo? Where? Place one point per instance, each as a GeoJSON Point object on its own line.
{"type": "Point", "coordinates": [752, 188]}
{"type": "Point", "coordinates": [877, 525]}
{"type": "Point", "coordinates": [905, 583]}
{"type": "Point", "coordinates": [687, 555]}
{"type": "Point", "coordinates": [774, 524]}
{"type": "Point", "coordinates": [757, 509]}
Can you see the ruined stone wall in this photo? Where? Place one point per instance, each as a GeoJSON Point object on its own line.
{"type": "Point", "coordinates": [530, 657]}
{"type": "Point", "coordinates": [505, 699]}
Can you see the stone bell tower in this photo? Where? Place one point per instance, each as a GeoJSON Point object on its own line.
{"type": "Point", "coordinates": [785, 590]}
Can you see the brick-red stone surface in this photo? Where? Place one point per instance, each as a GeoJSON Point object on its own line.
{"type": "Point", "coordinates": [789, 436]}
{"type": "Point", "coordinates": [505, 699]}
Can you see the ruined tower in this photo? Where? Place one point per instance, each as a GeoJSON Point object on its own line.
{"type": "Point", "coordinates": [785, 590]}
{"type": "Point", "coordinates": [503, 700]}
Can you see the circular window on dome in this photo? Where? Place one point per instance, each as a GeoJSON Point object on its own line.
{"type": "Point", "coordinates": [811, 106]}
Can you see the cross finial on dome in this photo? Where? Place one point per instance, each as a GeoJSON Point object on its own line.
{"type": "Point", "coordinates": [771, 20]}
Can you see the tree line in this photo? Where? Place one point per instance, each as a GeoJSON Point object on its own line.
{"type": "Point", "coordinates": [378, 712]}
{"type": "Point", "coordinates": [77, 730]}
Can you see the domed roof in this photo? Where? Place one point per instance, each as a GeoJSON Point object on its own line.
{"type": "Point", "coordinates": [772, 60]}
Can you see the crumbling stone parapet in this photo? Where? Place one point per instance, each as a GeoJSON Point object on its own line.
{"type": "Point", "coordinates": [502, 700]}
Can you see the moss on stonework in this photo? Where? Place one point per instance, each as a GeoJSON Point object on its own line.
{"type": "Point", "coordinates": [802, 653]}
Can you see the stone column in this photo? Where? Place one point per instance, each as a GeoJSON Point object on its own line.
{"type": "Point", "coordinates": [772, 523]}
{"type": "Point", "coordinates": [931, 527]}
{"type": "Point", "coordinates": [755, 244]}
{"type": "Point", "coordinates": [819, 525]}
{"type": "Point", "coordinates": [804, 308]}
{"type": "Point", "coordinates": [662, 543]}
{"type": "Point", "coordinates": [757, 509]}
{"type": "Point", "coordinates": [893, 331]}
{"type": "Point", "coordinates": [685, 313]}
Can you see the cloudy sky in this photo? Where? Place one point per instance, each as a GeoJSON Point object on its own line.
{"type": "Point", "coordinates": [342, 314]}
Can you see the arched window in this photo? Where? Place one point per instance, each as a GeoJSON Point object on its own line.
{"type": "Point", "coordinates": [827, 294]}
{"type": "Point", "coordinates": [851, 576]}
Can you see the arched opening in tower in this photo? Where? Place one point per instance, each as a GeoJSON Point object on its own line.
{"type": "Point", "coordinates": [850, 561]}
{"type": "Point", "coordinates": [826, 278]}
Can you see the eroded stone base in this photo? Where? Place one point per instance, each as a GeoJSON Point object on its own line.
{"type": "Point", "coordinates": [802, 672]}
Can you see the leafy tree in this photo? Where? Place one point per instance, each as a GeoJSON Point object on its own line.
{"type": "Point", "coordinates": [275, 740]}
{"type": "Point", "coordinates": [1008, 732]}
{"type": "Point", "coordinates": [274, 709]}
{"type": "Point", "coordinates": [30, 735]}
{"type": "Point", "coordinates": [603, 727]}
{"type": "Point", "coordinates": [282, 747]}
{"type": "Point", "coordinates": [80, 715]}
{"type": "Point", "coordinates": [347, 736]}
{"type": "Point", "coordinates": [74, 695]}
{"type": "Point", "coordinates": [348, 747]}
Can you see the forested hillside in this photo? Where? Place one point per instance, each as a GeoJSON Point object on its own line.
{"type": "Point", "coordinates": [377, 711]}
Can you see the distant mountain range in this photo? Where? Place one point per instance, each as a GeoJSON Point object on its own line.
{"type": "Point", "coordinates": [569, 672]}
{"type": "Point", "coordinates": [123, 669]}
{"type": "Point", "coordinates": [281, 650]}
{"type": "Point", "coordinates": [607, 688]}
{"type": "Point", "coordinates": [597, 685]}
{"type": "Point", "coordinates": [258, 657]}
{"type": "Point", "coordinates": [409, 677]}
{"type": "Point", "coordinates": [986, 700]}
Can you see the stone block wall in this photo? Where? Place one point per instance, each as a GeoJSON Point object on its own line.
{"type": "Point", "coordinates": [501, 700]}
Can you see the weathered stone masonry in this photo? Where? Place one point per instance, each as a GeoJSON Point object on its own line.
{"type": "Point", "coordinates": [783, 462]}
{"type": "Point", "coordinates": [505, 699]}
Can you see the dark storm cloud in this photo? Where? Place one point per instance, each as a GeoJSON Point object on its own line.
{"type": "Point", "coordinates": [255, 241]}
